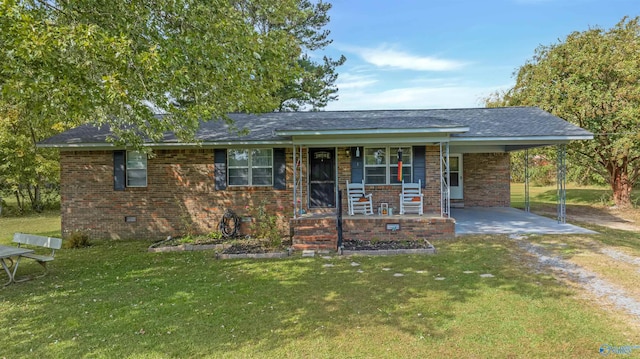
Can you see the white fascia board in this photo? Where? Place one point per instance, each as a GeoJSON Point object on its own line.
{"type": "Point", "coordinates": [361, 141]}
{"type": "Point", "coordinates": [477, 148]}
{"type": "Point", "coordinates": [373, 131]}
{"type": "Point", "coordinates": [223, 144]}
{"type": "Point", "coordinates": [78, 146]}
{"type": "Point", "coordinates": [109, 146]}
{"type": "Point", "coordinates": [521, 139]}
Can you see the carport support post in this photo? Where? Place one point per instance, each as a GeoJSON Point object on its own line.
{"type": "Point", "coordinates": [562, 184]}
{"type": "Point", "coordinates": [527, 208]}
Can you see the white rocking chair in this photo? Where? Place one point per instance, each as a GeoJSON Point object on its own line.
{"type": "Point", "coordinates": [411, 198]}
{"type": "Point", "coordinates": [359, 202]}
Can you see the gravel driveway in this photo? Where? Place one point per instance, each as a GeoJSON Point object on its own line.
{"type": "Point", "coordinates": [590, 281]}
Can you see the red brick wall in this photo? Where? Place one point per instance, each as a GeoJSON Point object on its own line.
{"type": "Point", "coordinates": [486, 180]}
{"type": "Point", "coordinates": [180, 196]}
{"type": "Point", "coordinates": [411, 228]}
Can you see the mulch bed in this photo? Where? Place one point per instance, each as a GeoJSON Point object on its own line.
{"type": "Point", "coordinates": [358, 244]}
{"type": "Point", "coordinates": [224, 245]}
{"type": "Point", "coordinates": [257, 246]}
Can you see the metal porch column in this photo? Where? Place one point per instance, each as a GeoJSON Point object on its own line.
{"type": "Point", "coordinates": [295, 184]}
{"type": "Point", "coordinates": [527, 207]}
{"type": "Point", "coordinates": [562, 184]}
{"type": "Point", "coordinates": [445, 192]}
{"type": "Point", "coordinates": [299, 199]}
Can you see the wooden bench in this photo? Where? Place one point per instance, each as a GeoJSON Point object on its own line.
{"type": "Point", "coordinates": [38, 243]}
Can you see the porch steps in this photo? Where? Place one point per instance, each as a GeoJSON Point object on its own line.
{"type": "Point", "coordinates": [314, 233]}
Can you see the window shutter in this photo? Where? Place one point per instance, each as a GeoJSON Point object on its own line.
{"type": "Point", "coordinates": [357, 166]}
{"type": "Point", "coordinates": [279, 168]}
{"type": "Point", "coordinates": [220, 168]}
{"type": "Point", "coordinates": [419, 159]}
{"type": "Point", "coordinates": [119, 158]}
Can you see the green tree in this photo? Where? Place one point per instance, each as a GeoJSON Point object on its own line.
{"type": "Point", "coordinates": [591, 79]}
{"type": "Point", "coordinates": [315, 86]}
{"type": "Point", "coordinates": [116, 63]}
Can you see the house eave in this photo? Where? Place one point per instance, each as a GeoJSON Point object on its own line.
{"type": "Point", "coordinates": [345, 139]}
{"type": "Point", "coordinates": [522, 139]}
{"type": "Point", "coordinates": [372, 131]}
{"type": "Point", "coordinates": [203, 144]}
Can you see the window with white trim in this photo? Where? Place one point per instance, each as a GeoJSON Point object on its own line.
{"type": "Point", "coordinates": [136, 169]}
{"type": "Point", "coordinates": [381, 165]}
{"type": "Point", "coordinates": [250, 167]}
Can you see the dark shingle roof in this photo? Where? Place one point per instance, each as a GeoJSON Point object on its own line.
{"type": "Point", "coordinates": [495, 123]}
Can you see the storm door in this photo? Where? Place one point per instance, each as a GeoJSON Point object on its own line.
{"type": "Point", "coordinates": [322, 177]}
{"type": "Point", "coordinates": [455, 176]}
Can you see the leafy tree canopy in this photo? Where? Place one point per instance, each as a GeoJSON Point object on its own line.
{"type": "Point", "coordinates": [64, 63]}
{"type": "Point", "coordinates": [103, 61]}
{"type": "Point", "coordinates": [592, 80]}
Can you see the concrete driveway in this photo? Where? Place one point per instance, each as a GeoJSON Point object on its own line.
{"type": "Point", "coordinates": [506, 220]}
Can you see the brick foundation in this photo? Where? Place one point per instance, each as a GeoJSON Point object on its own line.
{"type": "Point", "coordinates": [411, 228]}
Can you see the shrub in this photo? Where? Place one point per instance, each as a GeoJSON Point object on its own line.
{"type": "Point", "coordinates": [77, 239]}
{"type": "Point", "coordinates": [215, 235]}
{"type": "Point", "coordinates": [188, 239]}
{"type": "Point", "coordinates": [267, 226]}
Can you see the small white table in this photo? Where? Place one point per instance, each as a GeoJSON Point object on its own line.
{"type": "Point", "coordinates": [6, 252]}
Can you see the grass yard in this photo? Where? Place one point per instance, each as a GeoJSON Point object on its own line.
{"type": "Point", "coordinates": [114, 299]}
{"type": "Point", "coordinates": [540, 196]}
{"type": "Point", "coordinates": [44, 224]}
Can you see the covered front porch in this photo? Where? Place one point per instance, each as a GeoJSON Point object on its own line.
{"type": "Point", "coordinates": [321, 230]}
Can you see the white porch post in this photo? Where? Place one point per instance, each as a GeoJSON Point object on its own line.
{"type": "Point", "coordinates": [562, 184]}
{"type": "Point", "coordinates": [300, 199]}
{"type": "Point", "coordinates": [445, 191]}
{"type": "Point", "coordinates": [527, 208]}
{"type": "Point", "coordinates": [295, 184]}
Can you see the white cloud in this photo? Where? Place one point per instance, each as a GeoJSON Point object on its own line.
{"type": "Point", "coordinates": [412, 98]}
{"type": "Point", "coordinates": [385, 56]}
{"type": "Point", "coordinates": [351, 81]}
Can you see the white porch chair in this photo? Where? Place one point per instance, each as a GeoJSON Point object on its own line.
{"type": "Point", "coordinates": [411, 198]}
{"type": "Point", "coordinates": [359, 202]}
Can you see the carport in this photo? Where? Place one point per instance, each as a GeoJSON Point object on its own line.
{"type": "Point", "coordinates": [506, 220]}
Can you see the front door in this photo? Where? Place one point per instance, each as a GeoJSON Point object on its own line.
{"type": "Point", "coordinates": [322, 178]}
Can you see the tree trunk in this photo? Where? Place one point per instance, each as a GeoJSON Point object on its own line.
{"type": "Point", "coordinates": [621, 186]}
{"type": "Point", "coordinates": [19, 202]}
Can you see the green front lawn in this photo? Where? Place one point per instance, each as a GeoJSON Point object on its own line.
{"type": "Point", "coordinates": [114, 299]}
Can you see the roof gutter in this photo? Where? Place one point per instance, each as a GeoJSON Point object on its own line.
{"type": "Point", "coordinates": [523, 138]}
{"type": "Point", "coordinates": [102, 146]}
{"type": "Point", "coordinates": [372, 131]}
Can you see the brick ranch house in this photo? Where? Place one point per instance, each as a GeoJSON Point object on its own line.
{"type": "Point", "coordinates": [296, 164]}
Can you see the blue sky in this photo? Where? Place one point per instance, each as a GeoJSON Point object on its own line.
{"type": "Point", "coordinates": [407, 54]}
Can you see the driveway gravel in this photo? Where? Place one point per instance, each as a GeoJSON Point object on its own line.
{"type": "Point", "coordinates": [588, 280]}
